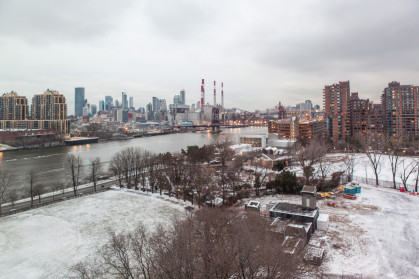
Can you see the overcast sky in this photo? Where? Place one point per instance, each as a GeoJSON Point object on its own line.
{"type": "Point", "coordinates": [263, 51]}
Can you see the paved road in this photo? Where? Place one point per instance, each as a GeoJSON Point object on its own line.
{"type": "Point", "coordinates": [59, 196]}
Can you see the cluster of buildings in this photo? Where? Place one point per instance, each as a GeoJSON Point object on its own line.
{"type": "Point", "coordinates": [44, 120]}
{"type": "Point", "coordinates": [47, 112]}
{"type": "Point", "coordinates": [176, 114]}
{"type": "Point", "coordinates": [346, 115]}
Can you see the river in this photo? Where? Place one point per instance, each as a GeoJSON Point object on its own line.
{"type": "Point", "coordinates": [49, 162]}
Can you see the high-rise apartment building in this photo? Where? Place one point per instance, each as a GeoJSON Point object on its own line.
{"type": "Point", "coordinates": [50, 105]}
{"type": "Point", "coordinates": [359, 110]}
{"type": "Point", "coordinates": [401, 112]}
{"type": "Point", "coordinates": [182, 97]}
{"type": "Point", "coordinates": [79, 101]}
{"type": "Point", "coordinates": [336, 106]}
{"type": "Point", "coordinates": [13, 107]}
{"type": "Point", "coordinates": [124, 101]}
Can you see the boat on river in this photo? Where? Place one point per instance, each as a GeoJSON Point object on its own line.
{"type": "Point", "coordinates": [81, 140]}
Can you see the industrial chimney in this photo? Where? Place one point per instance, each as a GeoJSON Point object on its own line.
{"type": "Point", "coordinates": [202, 94]}
{"type": "Point", "coordinates": [215, 96]}
{"type": "Point", "coordinates": [222, 94]}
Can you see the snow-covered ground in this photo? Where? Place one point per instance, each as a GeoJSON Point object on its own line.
{"type": "Point", "coordinates": [363, 169]}
{"type": "Point", "coordinates": [46, 242]}
{"type": "Point", "coordinates": [374, 236]}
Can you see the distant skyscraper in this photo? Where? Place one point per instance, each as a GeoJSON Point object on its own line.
{"type": "Point", "coordinates": [79, 101]}
{"type": "Point", "coordinates": [108, 102]}
{"type": "Point", "coordinates": [177, 99]}
{"type": "Point", "coordinates": [93, 109]}
{"type": "Point", "coordinates": [101, 105]}
{"type": "Point", "coordinates": [163, 106]}
{"type": "Point", "coordinates": [124, 101]}
{"type": "Point", "coordinates": [131, 103]}
{"type": "Point", "coordinates": [182, 97]}
{"type": "Point", "coordinates": [117, 103]}
{"type": "Point", "coordinates": [156, 104]}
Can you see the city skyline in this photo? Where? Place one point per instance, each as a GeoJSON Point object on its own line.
{"type": "Point", "coordinates": [262, 57]}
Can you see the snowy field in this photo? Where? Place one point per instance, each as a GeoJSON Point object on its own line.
{"type": "Point", "coordinates": [374, 236]}
{"type": "Point", "coordinates": [46, 242]}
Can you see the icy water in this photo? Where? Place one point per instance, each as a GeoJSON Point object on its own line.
{"type": "Point", "coordinates": [49, 162]}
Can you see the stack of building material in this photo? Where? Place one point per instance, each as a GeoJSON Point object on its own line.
{"type": "Point", "coordinates": [314, 255]}
{"type": "Point", "coordinates": [350, 190]}
{"type": "Point", "coordinates": [323, 222]}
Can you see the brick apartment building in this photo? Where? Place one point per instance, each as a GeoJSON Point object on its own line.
{"type": "Point", "coordinates": [336, 99]}
{"type": "Point", "coordinates": [401, 112]}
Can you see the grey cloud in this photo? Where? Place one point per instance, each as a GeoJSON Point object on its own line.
{"type": "Point", "coordinates": [44, 21]}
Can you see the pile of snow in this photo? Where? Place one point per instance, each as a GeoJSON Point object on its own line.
{"type": "Point", "coordinates": [46, 242]}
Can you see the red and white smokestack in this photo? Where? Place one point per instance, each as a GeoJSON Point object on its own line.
{"type": "Point", "coordinates": [222, 94]}
{"type": "Point", "coordinates": [202, 94]}
{"type": "Point", "coordinates": [215, 96]}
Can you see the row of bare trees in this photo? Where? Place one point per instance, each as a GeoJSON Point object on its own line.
{"type": "Point", "coordinates": [212, 243]}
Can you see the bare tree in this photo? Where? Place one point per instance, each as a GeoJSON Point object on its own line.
{"type": "Point", "coordinates": [38, 191]}
{"type": "Point", "coordinates": [209, 244]}
{"type": "Point", "coordinates": [349, 162]}
{"type": "Point", "coordinates": [32, 179]}
{"type": "Point", "coordinates": [95, 170]}
{"type": "Point", "coordinates": [74, 169]}
{"type": "Point", "coordinates": [116, 168]}
{"type": "Point", "coordinates": [373, 150]}
{"type": "Point", "coordinates": [407, 167]}
{"type": "Point", "coordinates": [13, 197]}
{"type": "Point", "coordinates": [394, 153]}
{"type": "Point", "coordinates": [222, 146]}
{"type": "Point", "coordinates": [6, 180]}
{"type": "Point", "coordinates": [308, 156]}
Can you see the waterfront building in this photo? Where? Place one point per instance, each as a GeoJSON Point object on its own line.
{"type": "Point", "coordinates": [336, 106]}
{"type": "Point", "coordinates": [50, 105]}
{"type": "Point", "coordinates": [13, 107]}
{"type": "Point", "coordinates": [79, 101]}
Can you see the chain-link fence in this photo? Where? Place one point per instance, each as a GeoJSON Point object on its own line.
{"type": "Point", "coordinates": [382, 183]}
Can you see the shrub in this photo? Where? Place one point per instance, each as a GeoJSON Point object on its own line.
{"type": "Point", "coordinates": [287, 183]}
